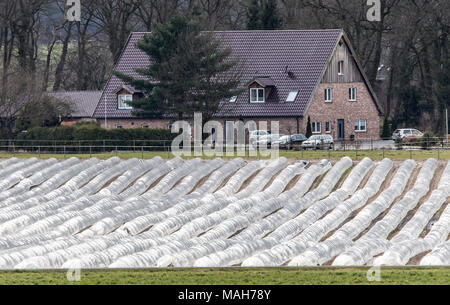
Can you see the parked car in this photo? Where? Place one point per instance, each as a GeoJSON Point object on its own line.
{"type": "Point", "coordinates": [319, 142]}
{"type": "Point", "coordinates": [287, 142]}
{"type": "Point", "coordinates": [406, 133]}
{"type": "Point", "coordinates": [266, 141]}
{"type": "Point", "coordinates": [298, 139]}
{"type": "Point", "coordinates": [283, 143]}
{"type": "Point", "coordinates": [257, 135]}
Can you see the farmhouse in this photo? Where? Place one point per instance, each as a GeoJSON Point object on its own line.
{"type": "Point", "coordinates": [288, 76]}
{"type": "Point", "coordinates": [83, 103]}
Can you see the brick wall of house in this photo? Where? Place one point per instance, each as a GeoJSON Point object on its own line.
{"type": "Point", "coordinates": [287, 125]}
{"type": "Point", "coordinates": [71, 122]}
{"type": "Point", "coordinates": [319, 111]}
{"type": "Point", "coordinates": [342, 109]}
{"type": "Point", "coordinates": [290, 126]}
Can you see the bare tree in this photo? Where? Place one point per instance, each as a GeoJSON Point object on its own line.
{"type": "Point", "coordinates": [405, 54]}
{"type": "Point", "coordinates": [63, 57]}
{"type": "Point", "coordinates": [87, 34]}
{"type": "Point", "coordinates": [7, 12]}
{"type": "Point", "coordinates": [25, 24]}
{"type": "Point", "coordinates": [57, 24]}
{"type": "Point", "coordinates": [117, 19]}
{"type": "Point", "coordinates": [15, 97]}
{"type": "Point", "coordinates": [214, 13]}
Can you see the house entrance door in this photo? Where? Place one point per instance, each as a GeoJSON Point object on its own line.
{"type": "Point", "coordinates": [341, 129]}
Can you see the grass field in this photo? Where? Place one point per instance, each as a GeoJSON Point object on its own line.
{"type": "Point", "coordinates": [310, 155]}
{"type": "Point", "coordinates": [276, 276]}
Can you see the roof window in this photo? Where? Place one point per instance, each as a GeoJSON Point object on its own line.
{"type": "Point", "coordinates": [292, 96]}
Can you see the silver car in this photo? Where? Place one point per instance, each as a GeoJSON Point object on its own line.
{"type": "Point", "coordinates": [257, 135]}
{"type": "Point", "coordinates": [319, 142]}
{"type": "Point", "coordinates": [267, 141]}
{"type": "Point", "coordinates": [406, 133]}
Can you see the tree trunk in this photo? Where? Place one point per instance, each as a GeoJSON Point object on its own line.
{"type": "Point", "coordinates": [49, 56]}
{"type": "Point", "coordinates": [377, 58]}
{"type": "Point", "coordinates": [429, 95]}
{"type": "Point", "coordinates": [47, 64]}
{"type": "Point", "coordinates": [62, 61]}
{"type": "Point", "coordinates": [389, 93]}
{"type": "Point", "coordinates": [81, 83]}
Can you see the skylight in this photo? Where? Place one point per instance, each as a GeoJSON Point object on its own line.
{"type": "Point", "coordinates": [233, 99]}
{"type": "Point", "coordinates": [292, 96]}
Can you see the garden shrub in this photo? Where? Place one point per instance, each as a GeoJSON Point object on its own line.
{"type": "Point", "coordinates": [91, 137]}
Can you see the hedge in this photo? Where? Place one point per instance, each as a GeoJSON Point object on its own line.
{"type": "Point", "coordinates": [90, 137]}
{"type": "Point", "coordinates": [427, 141]}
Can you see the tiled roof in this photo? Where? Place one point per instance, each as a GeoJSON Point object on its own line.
{"type": "Point", "coordinates": [263, 81]}
{"type": "Point", "coordinates": [261, 54]}
{"type": "Point", "coordinates": [84, 102]}
{"type": "Point", "coordinates": [130, 89]}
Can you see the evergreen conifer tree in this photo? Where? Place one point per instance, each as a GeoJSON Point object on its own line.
{"type": "Point", "coordinates": [271, 19]}
{"type": "Point", "coordinates": [308, 128]}
{"type": "Point", "coordinates": [254, 15]}
{"type": "Point", "coordinates": [189, 72]}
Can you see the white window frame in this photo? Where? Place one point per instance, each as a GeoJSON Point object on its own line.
{"type": "Point", "coordinates": [258, 101]}
{"type": "Point", "coordinates": [316, 127]}
{"type": "Point", "coordinates": [328, 130]}
{"type": "Point", "coordinates": [352, 94]}
{"type": "Point", "coordinates": [121, 103]}
{"type": "Point", "coordinates": [328, 95]}
{"type": "Point", "coordinates": [341, 67]}
{"type": "Point", "coordinates": [358, 126]}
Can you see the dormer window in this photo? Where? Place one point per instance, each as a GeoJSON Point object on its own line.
{"type": "Point", "coordinates": [257, 95]}
{"type": "Point", "coordinates": [125, 95]}
{"type": "Point", "coordinates": [260, 89]}
{"type": "Point", "coordinates": [123, 100]}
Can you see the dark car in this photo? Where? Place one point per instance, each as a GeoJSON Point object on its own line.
{"type": "Point", "coordinates": [283, 143]}
{"type": "Point", "coordinates": [298, 139]}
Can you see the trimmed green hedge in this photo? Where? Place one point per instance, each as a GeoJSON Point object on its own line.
{"type": "Point", "coordinates": [90, 137]}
